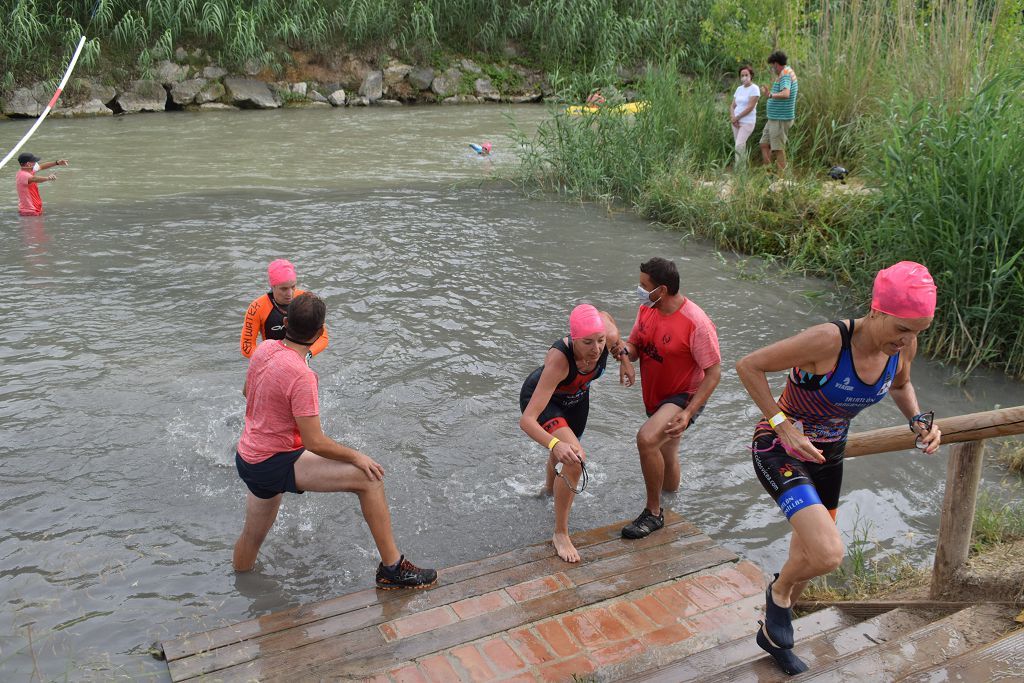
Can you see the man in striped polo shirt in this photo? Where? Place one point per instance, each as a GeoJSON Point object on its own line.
{"type": "Point", "coordinates": [781, 109]}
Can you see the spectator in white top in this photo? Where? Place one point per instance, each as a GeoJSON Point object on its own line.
{"type": "Point", "coordinates": [743, 112]}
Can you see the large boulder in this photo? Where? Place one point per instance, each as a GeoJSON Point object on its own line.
{"type": "Point", "coordinates": [143, 95]}
{"type": "Point", "coordinates": [315, 96]}
{"type": "Point", "coordinates": [421, 77]}
{"type": "Point", "coordinates": [211, 92]}
{"type": "Point", "coordinates": [185, 92]}
{"type": "Point", "coordinates": [26, 101]}
{"type": "Point", "coordinates": [350, 71]}
{"type": "Point", "coordinates": [460, 99]}
{"type": "Point", "coordinates": [300, 88]}
{"type": "Point", "coordinates": [169, 73]}
{"type": "Point", "coordinates": [447, 83]}
{"type": "Point", "coordinates": [337, 98]}
{"type": "Point", "coordinates": [395, 74]}
{"type": "Point", "coordinates": [523, 99]}
{"type": "Point", "coordinates": [217, 106]}
{"type": "Point", "coordinates": [101, 92]}
{"type": "Point", "coordinates": [485, 90]}
{"type": "Point", "coordinates": [214, 71]}
{"type": "Point", "coordinates": [91, 107]}
{"type": "Point", "coordinates": [470, 66]}
{"type": "Point", "coordinates": [372, 87]}
{"type": "Point", "coordinates": [248, 93]}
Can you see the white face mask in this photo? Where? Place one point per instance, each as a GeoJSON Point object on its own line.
{"type": "Point", "coordinates": [645, 297]}
{"type": "Point", "coordinates": [35, 167]}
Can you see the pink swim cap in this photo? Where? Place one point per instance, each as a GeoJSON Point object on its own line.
{"type": "Point", "coordinates": [280, 271]}
{"type": "Point", "coordinates": [487, 147]}
{"type": "Point", "coordinates": [905, 290]}
{"type": "Point", "coordinates": [585, 321]}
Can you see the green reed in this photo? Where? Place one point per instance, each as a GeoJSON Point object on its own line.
{"type": "Point", "coordinates": [578, 33]}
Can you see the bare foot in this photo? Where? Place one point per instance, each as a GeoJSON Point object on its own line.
{"type": "Point", "coordinates": [564, 547]}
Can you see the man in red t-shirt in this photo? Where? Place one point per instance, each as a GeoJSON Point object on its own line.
{"type": "Point", "coordinates": [680, 365]}
{"type": "Point", "coordinates": [26, 182]}
{"type": "Point", "coordinates": [284, 449]}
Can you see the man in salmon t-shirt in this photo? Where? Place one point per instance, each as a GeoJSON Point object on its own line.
{"type": "Point", "coordinates": [680, 366]}
{"type": "Point", "coordinates": [284, 449]}
{"type": "Point", "coordinates": [27, 182]}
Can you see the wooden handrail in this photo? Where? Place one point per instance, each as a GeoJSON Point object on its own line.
{"type": "Point", "coordinates": [963, 472]}
{"type": "Point", "coordinates": [957, 429]}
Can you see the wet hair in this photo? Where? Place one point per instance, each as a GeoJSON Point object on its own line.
{"type": "Point", "coordinates": [306, 314]}
{"type": "Point", "coordinates": [663, 272]}
{"type": "Point", "coordinates": [746, 67]}
{"type": "Point", "coordinates": [778, 57]}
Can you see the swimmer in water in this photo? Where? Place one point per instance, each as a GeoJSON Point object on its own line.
{"type": "Point", "coordinates": [835, 370]}
{"type": "Point", "coordinates": [555, 401]}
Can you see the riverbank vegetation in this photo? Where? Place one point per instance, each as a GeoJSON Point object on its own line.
{"type": "Point", "coordinates": [126, 36]}
{"type": "Point", "coordinates": [919, 101]}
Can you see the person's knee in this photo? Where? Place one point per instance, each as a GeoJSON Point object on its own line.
{"type": "Point", "coordinates": [827, 556]}
{"type": "Point", "coordinates": [365, 487]}
{"type": "Point", "coordinates": [648, 439]}
{"type": "Point", "coordinates": [573, 470]}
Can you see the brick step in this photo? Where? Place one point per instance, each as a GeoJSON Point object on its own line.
{"type": "Point", "coordinates": [739, 647]}
{"type": "Point", "coordinates": [607, 639]}
{"type": "Point", "coordinates": [922, 648]}
{"type": "Point", "coordinates": [825, 648]}
{"type": "Point", "coordinates": [1002, 660]}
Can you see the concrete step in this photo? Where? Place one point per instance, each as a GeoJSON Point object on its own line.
{"type": "Point", "coordinates": [1002, 660]}
{"type": "Point", "coordinates": [927, 646]}
{"type": "Point", "coordinates": [827, 647]}
{"type": "Point", "coordinates": [737, 646]}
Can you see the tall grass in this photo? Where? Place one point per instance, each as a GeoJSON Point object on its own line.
{"type": "Point", "coordinates": [923, 104]}
{"type": "Point", "coordinates": [584, 34]}
{"type": "Point", "coordinates": [610, 156]}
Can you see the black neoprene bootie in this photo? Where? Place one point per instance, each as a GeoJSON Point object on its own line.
{"type": "Point", "coordinates": [784, 657]}
{"type": "Point", "coordinates": [778, 621]}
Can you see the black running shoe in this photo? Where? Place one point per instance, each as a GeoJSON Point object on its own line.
{"type": "Point", "coordinates": [644, 524]}
{"type": "Point", "coordinates": [405, 575]}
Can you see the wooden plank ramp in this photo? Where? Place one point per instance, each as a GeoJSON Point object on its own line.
{"type": "Point", "coordinates": [524, 615]}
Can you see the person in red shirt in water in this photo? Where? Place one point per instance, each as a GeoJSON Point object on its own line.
{"type": "Point", "coordinates": [27, 182]}
{"type": "Point", "coordinates": [680, 366]}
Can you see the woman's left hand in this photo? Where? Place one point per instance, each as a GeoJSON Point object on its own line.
{"type": "Point", "coordinates": [929, 440]}
{"type": "Point", "coordinates": [627, 375]}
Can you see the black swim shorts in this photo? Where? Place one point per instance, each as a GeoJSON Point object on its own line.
{"type": "Point", "coordinates": [274, 475]}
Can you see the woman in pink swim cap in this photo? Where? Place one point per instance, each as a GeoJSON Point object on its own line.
{"type": "Point", "coordinates": [555, 401]}
{"type": "Point", "coordinates": [265, 315]}
{"type": "Point", "coordinates": [835, 370]}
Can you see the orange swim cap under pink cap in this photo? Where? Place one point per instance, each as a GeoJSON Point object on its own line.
{"type": "Point", "coordinates": [280, 271]}
{"type": "Point", "coordinates": [585, 321]}
{"type": "Point", "coordinates": [905, 290]}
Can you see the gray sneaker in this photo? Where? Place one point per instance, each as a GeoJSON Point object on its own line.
{"type": "Point", "coordinates": [644, 524]}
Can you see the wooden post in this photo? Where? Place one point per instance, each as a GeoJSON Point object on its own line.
{"type": "Point", "coordinates": [962, 476]}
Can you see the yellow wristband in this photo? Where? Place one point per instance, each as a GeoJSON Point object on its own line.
{"type": "Point", "coordinates": [554, 440]}
{"type": "Point", "coordinates": [777, 419]}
